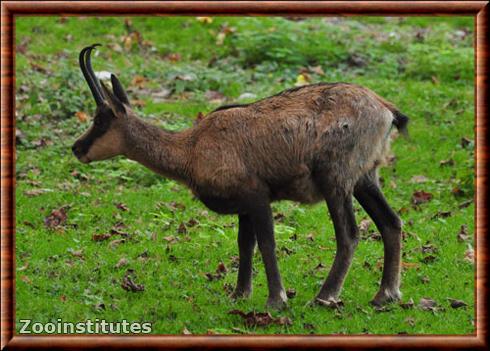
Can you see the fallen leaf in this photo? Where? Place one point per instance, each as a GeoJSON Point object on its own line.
{"type": "Point", "coordinates": [428, 259]}
{"type": "Point", "coordinates": [302, 79]}
{"type": "Point", "coordinates": [175, 206]}
{"type": "Point", "coordinates": [420, 197]}
{"type": "Point", "coordinates": [186, 331]}
{"type": "Point", "coordinates": [26, 279]}
{"type": "Point", "coordinates": [170, 239]}
{"type": "Point", "coordinates": [100, 306]}
{"type": "Point", "coordinates": [214, 96]}
{"type": "Point", "coordinates": [449, 162]}
{"type": "Point", "coordinates": [457, 303]}
{"type": "Point", "coordinates": [221, 268]}
{"type": "Point", "coordinates": [161, 95]}
{"type": "Point", "coordinates": [385, 308]}
{"type": "Point", "coordinates": [115, 243]}
{"type": "Point", "coordinates": [410, 321]}
{"type": "Point", "coordinates": [173, 57]}
{"type": "Point", "coordinates": [318, 70]}
{"type": "Point", "coordinates": [465, 204]}
{"type": "Point", "coordinates": [410, 265]}
{"type": "Point", "coordinates": [139, 81]}
{"type": "Point", "coordinates": [101, 237]}
{"type": "Point", "coordinates": [407, 305]}
{"type": "Point", "coordinates": [429, 248]}
{"type": "Point", "coordinates": [76, 253]}
{"type": "Point", "coordinates": [457, 191]}
{"type": "Point", "coordinates": [128, 284]}
{"type": "Point", "coordinates": [82, 116]}
{"type": "Point", "coordinates": [192, 222]}
{"type": "Point", "coordinates": [122, 207]}
{"type": "Point", "coordinates": [465, 142]}
{"type": "Point", "coordinates": [469, 254]}
{"type": "Point", "coordinates": [418, 179]}
{"type": "Point", "coordinates": [56, 219]}
{"type": "Point", "coordinates": [182, 228]}
{"type": "Point", "coordinates": [290, 293]}
{"type": "Point", "coordinates": [442, 214]}
{"type": "Point", "coordinates": [279, 217]}
{"type": "Point", "coordinates": [427, 304]}
{"type": "Point", "coordinates": [260, 319]}
{"type": "Point", "coordinates": [364, 225]}
{"type": "Point", "coordinates": [331, 303]}
{"type": "Point", "coordinates": [205, 20]}
{"type": "Point", "coordinates": [463, 233]}
{"type": "Point", "coordinates": [34, 192]}
{"type": "Point", "coordinates": [122, 262]}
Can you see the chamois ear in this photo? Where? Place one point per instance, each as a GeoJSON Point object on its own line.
{"type": "Point", "coordinates": [112, 99]}
{"type": "Point", "coordinates": [118, 90]}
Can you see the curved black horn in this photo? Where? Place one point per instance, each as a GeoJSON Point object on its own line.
{"type": "Point", "coordinates": [88, 73]}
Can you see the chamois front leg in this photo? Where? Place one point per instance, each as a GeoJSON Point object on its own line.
{"type": "Point", "coordinates": [246, 246]}
{"type": "Point", "coordinates": [369, 195]}
{"type": "Point", "coordinates": [347, 237]}
{"type": "Point", "coordinates": [261, 216]}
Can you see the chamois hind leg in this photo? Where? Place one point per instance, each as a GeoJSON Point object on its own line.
{"type": "Point", "coordinates": [261, 217]}
{"type": "Point", "coordinates": [246, 246]}
{"type": "Point", "coordinates": [369, 195]}
{"type": "Point", "coordinates": [347, 236]}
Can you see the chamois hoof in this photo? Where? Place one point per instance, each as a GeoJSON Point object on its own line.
{"type": "Point", "coordinates": [277, 303]}
{"type": "Point", "coordinates": [241, 294]}
{"type": "Point", "coordinates": [386, 296]}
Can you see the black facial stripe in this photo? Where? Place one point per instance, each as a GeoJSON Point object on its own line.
{"type": "Point", "coordinates": [98, 131]}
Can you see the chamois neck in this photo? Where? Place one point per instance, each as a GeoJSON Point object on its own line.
{"type": "Point", "coordinates": [160, 150]}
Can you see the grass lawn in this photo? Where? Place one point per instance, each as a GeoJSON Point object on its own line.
{"type": "Point", "coordinates": [175, 68]}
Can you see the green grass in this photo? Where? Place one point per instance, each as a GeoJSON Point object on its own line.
{"type": "Point", "coordinates": [424, 65]}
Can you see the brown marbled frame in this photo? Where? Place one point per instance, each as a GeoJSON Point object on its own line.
{"type": "Point", "coordinates": [10, 9]}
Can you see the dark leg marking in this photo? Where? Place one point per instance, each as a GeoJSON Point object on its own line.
{"type": "Point", "coordinates": [261, 216]}
{"type": "Point", "coordinates": [369, 195]}
{"type": "Point", "coordinates": [346, 234]}
{"type": "Point", "coordinates": [246, 246]}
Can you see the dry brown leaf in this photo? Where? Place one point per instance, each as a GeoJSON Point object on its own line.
{"type": "Point", "coordinates": [418, 179]}
{"type": "Point", "coordinates": [122, 207]}
{"type": "Point", "coordinates": [101, 237]}
{"type": "Point", "coordinates": [457, 303]}
{"type": "Point", "coordinates": [469, 254]}
{"type": "Point", "coordinates": [82, 116]}
{"type": "Point", "coordinates": [115, 243]}
{"type": "Point", "coordinates": [260, 319]}
{"type": "Point", "coordinates": [420, 197]}
{"type": "Point", "coordinates": [56, 219]}
{"type": "Point", "coordinates": [128, 284]}
{"type": "Point", "coordinates": [407, 305]}
{"type": "Point", "coordinates": [121, 263]}
{"type": "Point", "coordinates": [427, 304]}
{"type": "Point", "coordinates": [463, 233]}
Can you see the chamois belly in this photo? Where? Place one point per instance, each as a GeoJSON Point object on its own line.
{"type": "Point", "coordinates": [303, 190]}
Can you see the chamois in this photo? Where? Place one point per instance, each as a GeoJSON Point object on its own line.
{"type": "Point", "coordinates": [316, 142]}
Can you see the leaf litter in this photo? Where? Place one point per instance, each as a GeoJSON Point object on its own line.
{"type": "Point", "coordinates": [261, 319]}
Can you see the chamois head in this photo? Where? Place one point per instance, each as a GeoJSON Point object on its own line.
{"type": "Point", "coordinates": [105, 138]}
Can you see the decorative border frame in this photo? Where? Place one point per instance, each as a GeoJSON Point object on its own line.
{"type": "Point", "coordinates": [11, 9]}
